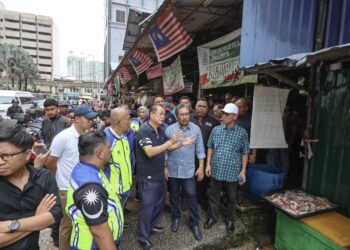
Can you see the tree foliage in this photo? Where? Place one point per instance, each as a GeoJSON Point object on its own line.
{"type": "Point", "coordinates": [17, 65]}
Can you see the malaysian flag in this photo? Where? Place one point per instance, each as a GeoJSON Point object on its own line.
{"type": "Point", "coordinates": [140, 61]}
{"type": "Point", "coordinates": [168, 36]}
{"type": "Point", "coordinates": [124, 75]}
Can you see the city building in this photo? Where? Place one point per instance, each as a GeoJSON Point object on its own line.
{"type": "Point", "coordinates": [116, 12]}
{"type": "Point", "coordinates": [84, 67]}
{"type": "Point", "coordinates": [33, 33]}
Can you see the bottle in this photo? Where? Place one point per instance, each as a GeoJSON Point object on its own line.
{"type": "Point", "coordinates": [239, 179]}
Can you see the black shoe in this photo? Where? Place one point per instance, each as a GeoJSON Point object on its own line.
{"type": "Point", "coordinates": [146, 245]}
{"type": "Point", "coordinates": [175, 224]}
{"type": "Point", "coordinates": [127, 224]}
{"type": "Point", "coordinates": [157, 230]}
{"type": "Point", "coordinates": [197, 232]}
{"type": "Point", "coordinates": [209, 223]}
{"type": "Point", "coordinates": [230, 227]}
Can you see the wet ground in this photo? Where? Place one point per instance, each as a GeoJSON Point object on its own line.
{"type": "Point", "coordinates": [250, 234]}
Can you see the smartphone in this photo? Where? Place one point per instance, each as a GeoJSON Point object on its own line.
{"type": "Point", "coordinates": [40, 150]}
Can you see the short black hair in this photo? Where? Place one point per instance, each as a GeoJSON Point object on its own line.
{"type": "Point", "coordinates": [105, 113]}
{"type": "Point", "coordinates": [202, 99]}
{"type": "Point", "coordinates": [17, 136]}
{"type": "Point", "coordinates": [89, 141]}
{"type": "Point", "coordinates": [50, 102]}
{"type": "Point", "coordinates": [184, 97]}
{"type": "Point", "coordinates": [154, 98]}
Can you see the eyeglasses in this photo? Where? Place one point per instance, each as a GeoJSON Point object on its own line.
{"type": "Point", "coordinates": [9, 157]}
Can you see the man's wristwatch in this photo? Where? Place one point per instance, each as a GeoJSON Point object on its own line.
{"type": "Point", "coordinates": [14, 225]}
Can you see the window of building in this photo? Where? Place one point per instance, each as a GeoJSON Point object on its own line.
{"type": "Point", "coordinates": [11, 20]}
{"type": "Point", "coordinates": [28, 39]}
{"type": "Point", "coordinates": [44, 25]}
{"type": "Point", "coordinates": [30, 23]}
{"type": "Point", "coordinates": [42, 41]}
{"type": "Point", "coordinates": [29, 31]}
{"type": "Point", "coordinates": [120, 16]}
{"type": "Point", "coordinates": [42, 49]}
{"type": "Point", "coordinates": [44, 33]}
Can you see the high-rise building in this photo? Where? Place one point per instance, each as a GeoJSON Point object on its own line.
{"type": "Point", "coordinates": [116, 12]}
{"type": "Point", "coordinates": [33, 33]}
{"type": "Point", "coordinates": [84, 67]}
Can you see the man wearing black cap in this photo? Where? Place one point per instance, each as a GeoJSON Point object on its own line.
{"type": "Point", "coordinates": [64, 156]}
{"type": "Point", "coordinates": [63, 108]}
{"type": "Point", "coordinates": [14, 109]}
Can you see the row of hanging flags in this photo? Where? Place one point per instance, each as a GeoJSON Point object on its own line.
{"type": "Point", "coordinates": [218, 60]}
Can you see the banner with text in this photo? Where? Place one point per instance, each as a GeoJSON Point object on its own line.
{"type": "Point", "coordinates": [267, 126]}
{"type": "Point", "coordinates": [219, 59]}
{"type": "Point", "coordinates": [172, 78]}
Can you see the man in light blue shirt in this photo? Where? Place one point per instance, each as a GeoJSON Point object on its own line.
{"type": "Point", "coordinates": [180, 170]}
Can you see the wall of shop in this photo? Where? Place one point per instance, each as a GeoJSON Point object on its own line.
{"type": "Point", "coordinates": [273, 29]}
{"type": "Point", "coordinates": [338, 31]}
{"type": "Point", "coordinates": [330, 166]}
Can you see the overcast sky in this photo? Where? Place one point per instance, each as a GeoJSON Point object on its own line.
{"type": "Point", "coordinates": [80, 23]}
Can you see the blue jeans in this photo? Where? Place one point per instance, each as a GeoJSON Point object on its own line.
{"type": "Point", "coordinates": [189, 194]}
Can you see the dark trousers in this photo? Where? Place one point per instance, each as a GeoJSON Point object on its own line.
{"type": "Point", "coordinates": [189, 194]}
{"type": "Point", "coordinates": [152, 195]}
{"type": "Point", "coordinates": [202, 188]}
{"type": "Point", "coordinates": [215, 187]}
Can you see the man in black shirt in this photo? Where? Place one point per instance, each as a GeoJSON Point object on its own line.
{"type": "Point", "coordinates": [14, 109]}
{"type": "Point", "coordinates": [206, 123]}
{"type": "Point", "coordinates": [150, 174]}
{"type": "Point", "coordinates": [29, 196]}
{"type": "Point", "coordinates": [54, 123]}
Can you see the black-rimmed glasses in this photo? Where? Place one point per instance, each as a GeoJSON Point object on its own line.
{"type": "Point", "coordinates": [9, 157]}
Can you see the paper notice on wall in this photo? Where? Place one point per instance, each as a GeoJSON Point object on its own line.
{"type": "Point", "coordinates": [267, 125]}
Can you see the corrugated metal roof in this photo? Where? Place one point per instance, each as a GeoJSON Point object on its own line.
{"type": "Point", "coordinates": [273, 29]}
{"type": "Point", "coordinates": [338, 21]}
{"type": "Point", "coordinates": [303, 59]}
{"type": "Point", "coordinates": [133, 28]}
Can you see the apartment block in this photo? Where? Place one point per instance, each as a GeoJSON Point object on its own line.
{"type": "Point", "coordinates": [34, 33]}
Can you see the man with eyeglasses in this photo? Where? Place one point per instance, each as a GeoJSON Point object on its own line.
{"type": "Point", "coordinates": [29, 195]}
{"type": "Point", "coordinates": [64, 156]}
{"type": "Point", "coordinates": [227, 159]}
{"type": "Point", "coordinates": [151, 144]}
{"type": "Point", "coordinates": [180, 170]}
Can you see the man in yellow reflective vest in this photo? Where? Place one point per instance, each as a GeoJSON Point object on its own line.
{"type": "Point", "coordinates": [119, 172]}
{"type": "Point", "coordinates": [92, 204]}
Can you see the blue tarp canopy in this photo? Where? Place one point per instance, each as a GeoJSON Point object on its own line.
{"type": "Point", "coordinates": [72, 94]}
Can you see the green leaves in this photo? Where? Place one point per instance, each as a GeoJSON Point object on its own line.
{"type": "Point", "coordinates": [17, 65]}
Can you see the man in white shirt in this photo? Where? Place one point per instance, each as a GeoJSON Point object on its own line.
{"type": "Point", "coordinates": [64, 156]}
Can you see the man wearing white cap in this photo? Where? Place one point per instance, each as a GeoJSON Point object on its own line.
{"type": "Point", "coordinates": [227, 159]}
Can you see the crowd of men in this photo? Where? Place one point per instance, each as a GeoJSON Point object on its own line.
{"type": "Point", "coordinates": [81, 185]}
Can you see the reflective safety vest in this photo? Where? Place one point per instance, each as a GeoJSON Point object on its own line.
{"type": "Point", "coordinates": [135, 124]}
{"type": "Point", "coordinates": [81, 237]}
{"type": "Point", "coordinates": [120, 175]}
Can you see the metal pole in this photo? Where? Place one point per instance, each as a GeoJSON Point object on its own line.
{"type": "Point", "coordinates": [314, 77]}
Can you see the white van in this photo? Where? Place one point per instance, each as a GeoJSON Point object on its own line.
{"type": "Point", "coordinates": [24, 98]}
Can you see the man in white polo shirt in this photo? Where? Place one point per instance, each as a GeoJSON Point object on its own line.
{"type": "Point", "coordinates": [64, 156]}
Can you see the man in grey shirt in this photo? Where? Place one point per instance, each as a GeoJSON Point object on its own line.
{"type": "Point", "coordinates": [180, 170]}
{"type": "Point", "coordinates": [54, 123]}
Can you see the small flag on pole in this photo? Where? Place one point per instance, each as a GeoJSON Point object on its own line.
{"type": "Point", "coordinates": [124, 75]}
{"type": "Point", "coordinates": [140, 61]}
{"type": "Point", "coordinates": [168, 36]}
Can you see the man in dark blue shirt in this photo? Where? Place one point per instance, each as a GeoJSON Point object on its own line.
{"type": "Point", "coordinates": [151, 144]}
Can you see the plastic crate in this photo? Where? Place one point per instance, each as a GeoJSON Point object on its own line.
{"type": "Point", "coordinates": [294, 234]}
